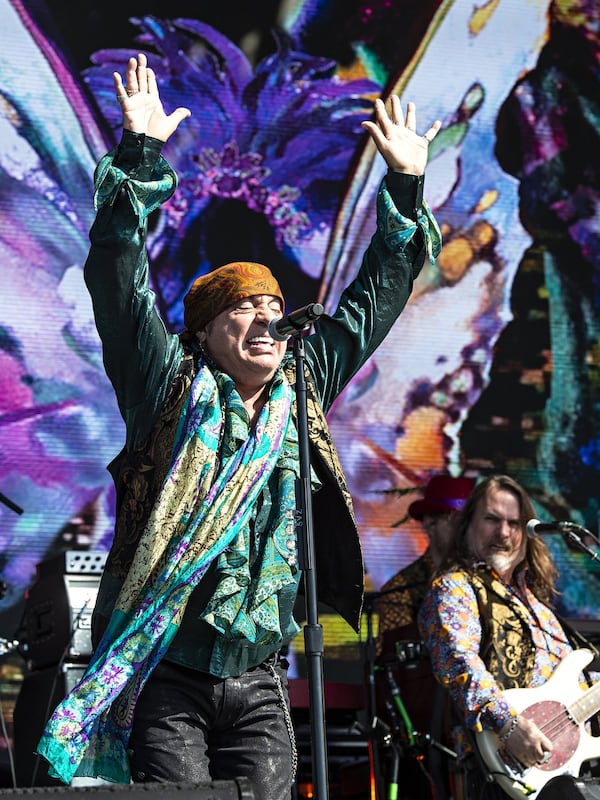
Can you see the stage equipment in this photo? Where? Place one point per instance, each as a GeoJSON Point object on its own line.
{"type": "Point", "coordinates": [58, 608]}
{"type": "Point", "coordinates": [237, 789]}
{"type": "Point", "coordinates": [40, 693]}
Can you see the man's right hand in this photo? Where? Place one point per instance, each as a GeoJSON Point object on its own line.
{"type": "Point", "coordinates": [140, 102]}
{"type": "Point", "coordinates": [527, 744]}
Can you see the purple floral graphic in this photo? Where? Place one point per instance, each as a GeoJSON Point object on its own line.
{"type": "Point", "coordinates": [274, 142]}
{"type": "Point", "coordinates": [266, 151]}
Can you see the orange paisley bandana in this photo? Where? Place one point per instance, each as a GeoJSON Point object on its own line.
{"type": "Point", "coordinates": [210, 294]}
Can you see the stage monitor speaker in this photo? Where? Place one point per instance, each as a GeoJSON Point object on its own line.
{"type": "Point", "coordinates": [237, 789]}
{"type": "Point", "coordinates": [564, 787]}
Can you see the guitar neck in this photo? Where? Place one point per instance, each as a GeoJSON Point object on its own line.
{"type": "Point", "coordinates": [586, 706]}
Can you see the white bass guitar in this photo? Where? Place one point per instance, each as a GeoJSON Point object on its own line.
{"type": "Point", "coordinates": [560, 708]}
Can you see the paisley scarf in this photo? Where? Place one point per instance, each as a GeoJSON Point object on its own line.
{"type": "Point", "coordinates": [203, 504]}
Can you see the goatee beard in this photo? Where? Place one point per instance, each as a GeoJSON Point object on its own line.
{"type": "Point", "coordinates": [500, 563]}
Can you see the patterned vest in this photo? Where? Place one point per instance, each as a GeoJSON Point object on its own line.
{"type": "Point", "coordinates": [138, 476]}
{"type": "Point", "coordinates": [507, 647]}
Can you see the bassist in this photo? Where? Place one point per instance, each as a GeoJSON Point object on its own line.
{"type": "Point", "coordinates": [489, 626]}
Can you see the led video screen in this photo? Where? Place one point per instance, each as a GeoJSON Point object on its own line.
{"type": "Point", "coordinates": [493, 366]}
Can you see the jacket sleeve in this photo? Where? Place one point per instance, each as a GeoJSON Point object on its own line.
{"type": "Point", "coordinates": [406, 233]}
{"type": "Point", "coordinates": [140, 356]}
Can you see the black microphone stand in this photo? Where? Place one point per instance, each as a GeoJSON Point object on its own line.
{"type": "Point", "coordinates": [570, 532]}
{"type": "Point", "coordinates": [9, 504]}
{"type": "Point", "coordinates": [313, 632]}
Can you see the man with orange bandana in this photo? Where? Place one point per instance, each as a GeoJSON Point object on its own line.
{"type": "Point", "coordinates": [186, 682]}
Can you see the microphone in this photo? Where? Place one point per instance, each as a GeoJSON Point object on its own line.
{"type": "Point", "coordinates": [534, 526]}
{"type": "Point", "coordinates": [282, 328]}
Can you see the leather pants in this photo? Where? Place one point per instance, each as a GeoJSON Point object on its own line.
{"type": "Point", "coordinates": [192, 727]}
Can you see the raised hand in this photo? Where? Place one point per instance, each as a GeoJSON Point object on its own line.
{"type": "Point", "coordinates": [140, 101]}
{"type": "Point", "coordinates": [396, 138]}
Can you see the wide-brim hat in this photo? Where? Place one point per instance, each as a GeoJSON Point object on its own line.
{"type": "Point", "coordinates": [443, 494]}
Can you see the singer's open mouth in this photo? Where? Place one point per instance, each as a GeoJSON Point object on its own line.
{"type": "Point", "coordinates": [260, 340]}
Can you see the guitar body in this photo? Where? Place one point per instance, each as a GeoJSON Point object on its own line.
{"type": "Point", "coordinates": [559, 708]}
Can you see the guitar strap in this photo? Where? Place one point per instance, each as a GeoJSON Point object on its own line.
{"type": "Point", "coordinates": [577, 639]}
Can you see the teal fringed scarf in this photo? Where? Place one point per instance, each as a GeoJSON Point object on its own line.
{"type": "Point", "coordinates": [198, 513]}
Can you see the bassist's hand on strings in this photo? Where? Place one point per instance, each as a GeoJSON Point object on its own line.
{"type": "Point", "coordinates": [525, 742]}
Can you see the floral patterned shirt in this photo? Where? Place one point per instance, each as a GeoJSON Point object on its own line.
{"type": "Point", "coordinates": [450, 625]}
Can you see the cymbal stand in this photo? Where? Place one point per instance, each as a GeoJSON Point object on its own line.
{"type": "Point", "coordinates": [416, 742]}
{"type": "Point", "coordinates": [369, 649]}
{"type": "Point", "coordinates": [399, 706]}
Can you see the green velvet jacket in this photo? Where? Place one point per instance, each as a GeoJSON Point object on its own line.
{"type": "Point", "coordinates": [151, 370]}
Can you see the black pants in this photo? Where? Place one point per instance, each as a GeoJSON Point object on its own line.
{"type": "Point", "coordinates": [189, 726]}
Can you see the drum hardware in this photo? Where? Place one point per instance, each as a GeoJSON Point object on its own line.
{"type": "Point", "coordinates": [407, 741]}
{"type": "Point", "coordinates": [426, 739]}
{"type": "Point", "coordinates": [373, 664]}
{"type": "Point", "coordinates": [389, 741]}
{"type": "Point", "coordinates": [369, 652]}
{"type": "Point", "coordinates": [402, 723]}
{"type": "Point", "coordinates": [7, 646]}
{"type": "Point", "coordinates": [410, 652]}
{"type": "Point", "coordinates": [398, 705]}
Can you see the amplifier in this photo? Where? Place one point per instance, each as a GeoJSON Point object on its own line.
{"type": "Point", "coordinates": [73, 562]}
{"type": "Point", "coordinates": [58, 608]}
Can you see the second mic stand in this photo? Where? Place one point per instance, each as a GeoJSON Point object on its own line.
{"type": "Point", "coordinates": [313, 632]}
{"type": "Point", "coordinates": [10, 504]}
{"type": "Point", "coordinates": [571, 531]}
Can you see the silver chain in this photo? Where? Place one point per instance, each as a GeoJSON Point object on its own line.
{"type": "Point", "coordinates": [286, 715]}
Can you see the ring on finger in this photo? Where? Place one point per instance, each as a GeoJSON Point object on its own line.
{"type": "Point", "coordinates": [131, 92]}
{"type": "Point", "coordinates": [121, 98]}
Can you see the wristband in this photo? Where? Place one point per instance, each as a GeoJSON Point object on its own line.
{"type": "Point", "coordinates": [507, 734]}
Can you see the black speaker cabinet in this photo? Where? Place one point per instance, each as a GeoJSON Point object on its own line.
{"type": "Point", "coordinates": [563, 787]}
{"type": "Point", "coordinates": [41, 691]}
{"type": "Point", "coordinates": [238, 789]}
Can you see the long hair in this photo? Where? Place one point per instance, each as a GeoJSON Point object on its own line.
{"type": "Point", "coordinates": [541, 572]}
